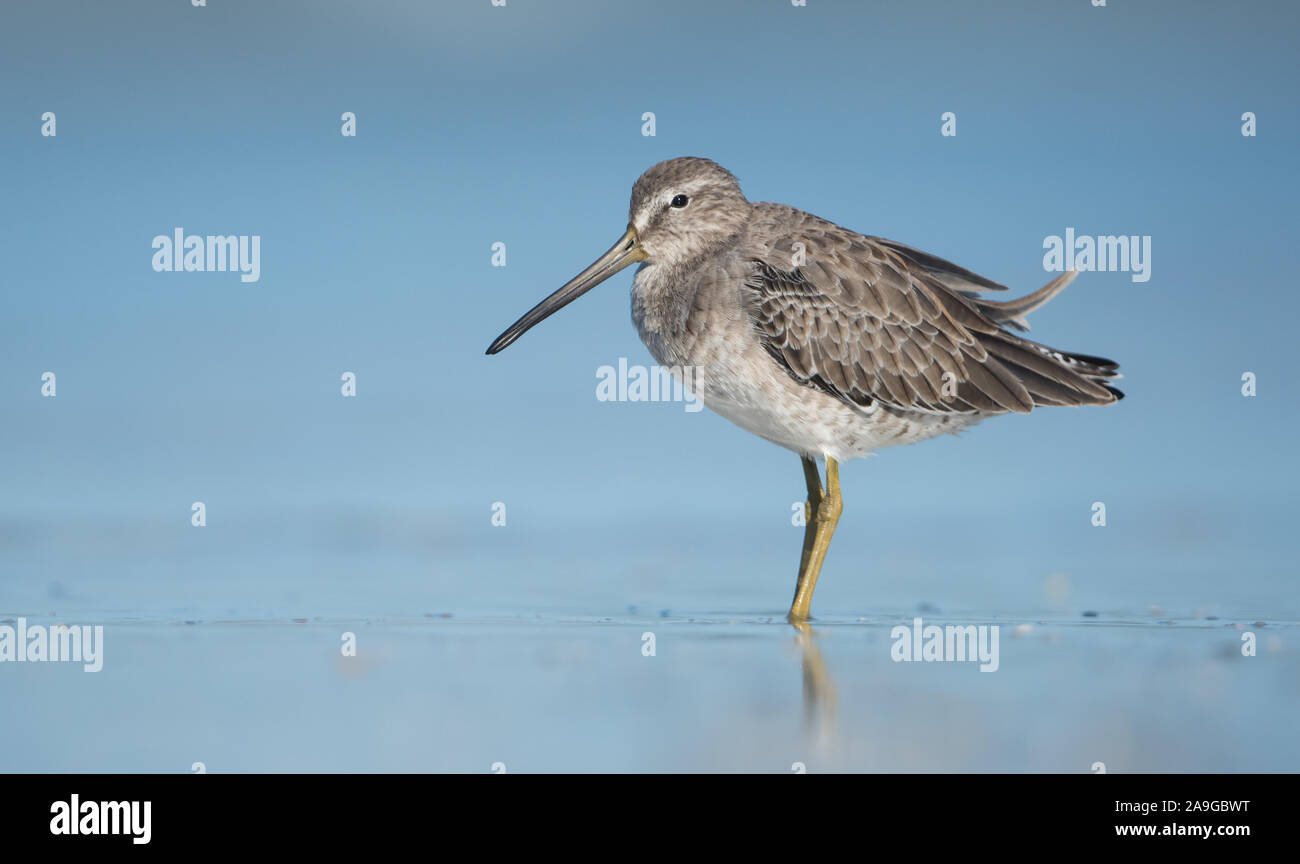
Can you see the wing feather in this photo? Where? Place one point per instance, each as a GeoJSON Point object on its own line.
{"type": "Point", "coordinates": [869, 320]}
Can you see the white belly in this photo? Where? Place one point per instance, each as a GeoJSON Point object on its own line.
{"type": "Point", "coordinates": [751, 390]}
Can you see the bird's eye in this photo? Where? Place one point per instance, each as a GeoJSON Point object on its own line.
{"type": "Point", "coordinates": [680, 201]}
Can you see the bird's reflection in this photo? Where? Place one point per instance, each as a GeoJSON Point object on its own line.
{"type": "Point", "coordinates": [819, 696]}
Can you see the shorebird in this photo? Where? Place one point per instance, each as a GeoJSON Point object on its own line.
{"type": "Point", "coordinates": [827, 342]}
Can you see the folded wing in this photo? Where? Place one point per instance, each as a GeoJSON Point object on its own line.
{"type": "Point", "coordinates": [873, 321]}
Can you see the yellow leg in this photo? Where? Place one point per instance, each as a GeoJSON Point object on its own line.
{"type": "Point", "coordinates": [810, 506]}
{"type": "Point", "coordinates": [825, 514]}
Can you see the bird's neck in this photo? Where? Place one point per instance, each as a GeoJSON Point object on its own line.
{"type": "Point", "coordinates": [662, 298]}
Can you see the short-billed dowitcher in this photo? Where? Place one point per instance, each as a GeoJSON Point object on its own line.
{"type": "Point", "coordinates": [827, 342]}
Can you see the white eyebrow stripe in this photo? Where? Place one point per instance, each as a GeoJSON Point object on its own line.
{"type": "Point", "coordinates": [664, 199]}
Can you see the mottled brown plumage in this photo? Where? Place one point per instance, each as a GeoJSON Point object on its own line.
{"type": "Point", "coordinates": [869, 320]}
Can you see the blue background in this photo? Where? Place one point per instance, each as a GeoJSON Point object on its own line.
{"type": "Point", "coordinates": [522, 124]}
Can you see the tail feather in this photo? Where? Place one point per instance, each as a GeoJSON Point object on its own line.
{"type": "Point", "coordinates": [1051, 376]}
{"type": "Point", "coordinates": [1014, 312]}
{"type": "Point", "coordinates": [1016, 374]}
{"type": "Point", "coordinates": [1055, 377]}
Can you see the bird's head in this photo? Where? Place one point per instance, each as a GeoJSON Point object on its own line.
{"type": "Point", "coordinates": [684, 208]}
{"type": "Point", "coordinates": [681, 209]}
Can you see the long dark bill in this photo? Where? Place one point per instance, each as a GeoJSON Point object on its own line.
{"type": "Point", "coordinates": [626, 251]}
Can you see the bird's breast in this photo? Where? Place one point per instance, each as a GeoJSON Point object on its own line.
{"type": "Point", "coordinates": [661, 300]}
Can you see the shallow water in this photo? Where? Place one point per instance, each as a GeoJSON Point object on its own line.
{"type": "Point", "coordinates": [462, 685]}
{"type": "Point", "coordinates": [523, 645]}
